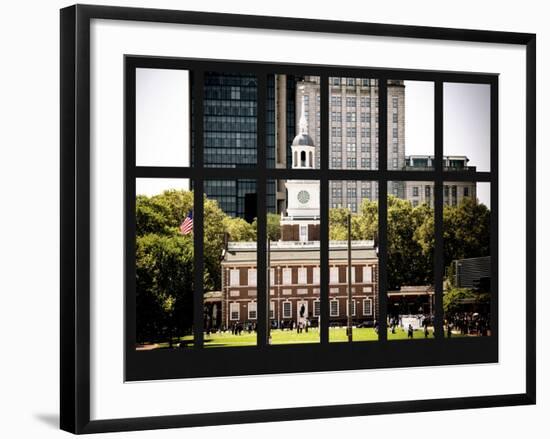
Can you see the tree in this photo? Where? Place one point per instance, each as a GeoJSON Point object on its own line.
{"type": "Point", "coordinates": [466, 230]}
{"type": "Point", "coordinates": [273, 226]}
{"type": "Point", "coordinates": [409, 262]}
{"type": "Point", "coordinates": [164, 286]}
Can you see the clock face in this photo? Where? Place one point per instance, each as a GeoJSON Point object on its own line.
{"type": "Point", "coordinates": [303, 197]}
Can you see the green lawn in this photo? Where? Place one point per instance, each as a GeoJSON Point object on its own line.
{"type": "Point", "coordinates": [292, 337]}
{"type": "Point", "coordinates": [278, 337]}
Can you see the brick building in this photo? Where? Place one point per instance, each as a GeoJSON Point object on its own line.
{"type": "Point", "coordinates": [294, 261]}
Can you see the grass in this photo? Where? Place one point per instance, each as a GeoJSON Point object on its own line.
{"type": "Point", "coordinates": [279, 337]}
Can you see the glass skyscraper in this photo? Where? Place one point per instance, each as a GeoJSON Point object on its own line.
{"type": "Point", "coordinates": [230, 130]}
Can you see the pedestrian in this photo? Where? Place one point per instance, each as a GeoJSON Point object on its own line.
{"type": "Point", "coordinates": [410, 331]}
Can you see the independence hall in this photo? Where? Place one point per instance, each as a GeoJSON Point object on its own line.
{"type": "Point", "coordinates": [294, 264]}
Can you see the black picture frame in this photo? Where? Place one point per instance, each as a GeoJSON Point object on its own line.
{"type": "Point", "coordinates": [75, 218]}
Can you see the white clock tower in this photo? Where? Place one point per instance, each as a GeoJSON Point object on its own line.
{"type": "Point", "coordinates": [303, 210]}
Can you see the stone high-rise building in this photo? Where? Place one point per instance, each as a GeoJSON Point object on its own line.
{"type": "Point", "coordinates": [353, 132]}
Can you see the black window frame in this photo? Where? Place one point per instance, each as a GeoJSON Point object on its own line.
{"type": "Point", "coordinates": [231, 361]}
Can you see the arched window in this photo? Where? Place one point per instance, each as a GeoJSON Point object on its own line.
{"type": "Point", "coordinates": [303, 159]}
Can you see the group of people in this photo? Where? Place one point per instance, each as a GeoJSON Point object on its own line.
{"type": "Point", "coordinates": [467, 323]}
{"type": "Point", "coordinates": [395, 322]}
{"type": "Point", "coordinates": [238, 328]}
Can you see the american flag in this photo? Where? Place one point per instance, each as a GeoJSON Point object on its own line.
{"type": "Point", "coordinates": [186, 226]}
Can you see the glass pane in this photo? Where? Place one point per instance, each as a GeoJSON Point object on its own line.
{"type": "Point", "coordinates": [410, 281]}
{"type": "Point", "coordinates": [230, 120]}
{"type": "Point", "coordinates": [467, 126]}
{"type": "Point", "coordinates": [162, 117]}
{"type": "Point", "coordinates": [353, 264]}
{"type": "Point", "coordinates": [164, 263]}
{"type": "Point", "coordinates": [353, 118]}
{"type": "Point", "coordinates": [293, 262]}
{"type": "Point", "coordinates": [293, 118]}
{"type": "Point", "coordinates": [467, 244]}
{"type": "Point", "coordinates": [410, 125]}
{"type": "Point", "coordinates": [230, 271]}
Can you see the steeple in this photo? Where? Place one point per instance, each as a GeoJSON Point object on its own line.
{"type": "Point", "coordinates": [303, 147]}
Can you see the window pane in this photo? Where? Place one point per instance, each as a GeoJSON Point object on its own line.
{"type": "Point", "coordinates": [360, 283]}
{"type": "Point", "coordinates": [164, 263]}
{"type": "Point", "coordinates": [162, 117]}
{"type": "Point", "coordinates": [467, 126]}
{"type": "Point", "coordinates": [467, 250]}
{"type": "Point", "coordinates": [353, 119]}
{"type": "Point", "coordinates": [230, 280]}
{"type": "Point", "coordinates": [410, 282]}
{"type": "Point", "coordinates": [293, 118]}
{"type": "Point", "coordinates": [293, 262]}
{"type": "Point", "coordinates": [230, 119]}
{"type": "Point", "coordinates": [410, 125]}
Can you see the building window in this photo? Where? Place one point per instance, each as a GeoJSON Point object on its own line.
{"type": "Point", "coordinates": [234, 280]}
{"type": "Point", "coordinates": [466, 191]}
{"type": "Point", "coordinates": [316, 275]}
{"type": "Point", "coordinates": [352, 307]}
{"type": "Point", "coordinates": [234, 311]}
{"type": "Point", "coordinates": [415, 191]}
{"type": "Point", "coordinates": [334, 308]}
{"type": "Point", "coordinates": [334, 277]}
{"type": "Point", "coordinates": [252, 310]}
{"type": "Point", "coordinates": [395, 101]}
{"type": "Point", "coordinates": [271, 310]}
{"type": "Point", "coordinates": [287, 310]}
{"type": "Point", "coordinates": [351, 101]}
{"type": "Point", "coordinates": [367, 274]}
{"type": "Point", "coordinates": [316, 308]}
{"type": "Point", "coordinates": [394, 117]}
{"type": "Point", "coordinates": [302, 275]}
{"type": "Point", "coordinates": [394, 163]}
{"type": "Point", "coordinates": [234, 293]}
{"type": "Point", "coordinates": [251, 277]}
{"type": "Point", "coordinates": [287, 276]}
{"type": "Point", "coordinates": [367, 307]}
{"type": "Point", "coordinates": [394, 133]}
{"type": "Point", "coordinates": [350, 116]}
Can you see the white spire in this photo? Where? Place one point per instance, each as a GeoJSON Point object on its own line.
{"type": "Point", "coordinates": [303, 121]}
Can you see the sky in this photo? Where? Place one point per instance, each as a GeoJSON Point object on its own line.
{"type": "Point", "coordinates": [161, 119]}
{"type": "Point", "coordinates": [466, 123]}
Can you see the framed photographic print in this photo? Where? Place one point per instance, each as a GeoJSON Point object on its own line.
{"type": "Point", "coordinates": [262, 230]}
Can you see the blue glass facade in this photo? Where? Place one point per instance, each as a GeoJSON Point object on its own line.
{"type": "Point", "coordinates": [230, 130]}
